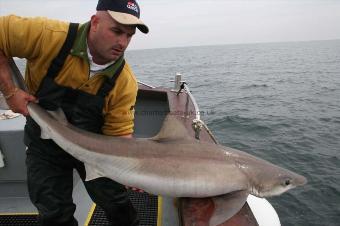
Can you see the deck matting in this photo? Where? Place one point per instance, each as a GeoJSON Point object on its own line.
{"type": "Point", "coordinates": [19, 220]}
{"type": "Point", "coordinates": [145, 204]}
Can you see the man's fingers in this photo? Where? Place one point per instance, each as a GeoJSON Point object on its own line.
{"type": "Point", "coordinates": [31, 98]}
{"type": "Point", "coordinates": [18, 102]}
{"type": "Point", "coordinates": [135, 189]}
{"type": "Point", "coordinates": [25, 112]}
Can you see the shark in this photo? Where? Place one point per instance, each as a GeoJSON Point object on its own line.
{"type": "Point", "coordinates": [172, 163]}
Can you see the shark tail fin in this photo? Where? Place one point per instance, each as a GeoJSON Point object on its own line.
{"type": "Point", "coordinates": [58, 115]}
{"type": "Point", "coordinates": [172, 129]}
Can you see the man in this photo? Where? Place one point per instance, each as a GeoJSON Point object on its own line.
{"type": "Point", "coordinates": [82, 70]}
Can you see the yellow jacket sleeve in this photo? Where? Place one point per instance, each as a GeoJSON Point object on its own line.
{"type": "Point", "coordinates": [26, 37]}
{"type": "Point", "coordinates": [36, 39]}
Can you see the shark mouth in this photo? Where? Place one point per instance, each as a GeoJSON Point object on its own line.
{"type": "Point", "coordinates": [278, 190]}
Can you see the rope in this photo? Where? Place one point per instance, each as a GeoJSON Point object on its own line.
{"type": "Point", "coordinates": [197, 123]}
{"type": "Point", "coordinates": [8, 115]}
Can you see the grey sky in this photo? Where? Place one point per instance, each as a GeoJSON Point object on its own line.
{"type": "Point", "coordinates": [206, 22]}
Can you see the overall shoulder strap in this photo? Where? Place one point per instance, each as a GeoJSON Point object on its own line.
{"type": "Point", "coordinates": [109, 83]}
{"type": "Point", "coordinates": [59, 60]}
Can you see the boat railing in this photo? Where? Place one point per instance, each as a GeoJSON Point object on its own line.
{"type": "Point", "coordinates": [145, 84]}
{"type": "Point", "coordinates": [197, 123]}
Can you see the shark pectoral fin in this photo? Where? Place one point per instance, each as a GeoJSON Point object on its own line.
{"type": "Point", "coordinates": [59, 115]}
{"type": "Point", "coordinates": [172, 129]}
{"type": "Point", "coordinates": [227, 206]}
{"type": "Point", "coordinates": [92, 172]}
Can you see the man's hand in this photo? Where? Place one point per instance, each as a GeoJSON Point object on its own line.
{"type": "Point", "coordinates": [19, 100]}
{"type": "Point", "coordinates": [135, 189]}
{"type": "Point", "coordinates": [16, 98]}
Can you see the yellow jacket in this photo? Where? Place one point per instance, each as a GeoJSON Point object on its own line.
{"type": "Point", "coordinates": [39, 41]}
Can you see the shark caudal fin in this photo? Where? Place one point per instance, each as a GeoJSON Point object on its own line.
{"type": "Point", "coordinates": [58, 115]}
{"type": "Point", "coordinates": [172, 129]}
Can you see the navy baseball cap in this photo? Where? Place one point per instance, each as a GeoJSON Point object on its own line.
{"type": "Point", "coordinates": [125, 12]}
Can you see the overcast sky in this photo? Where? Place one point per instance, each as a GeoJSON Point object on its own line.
{"type": "Point", "coordinates": [206, 22]}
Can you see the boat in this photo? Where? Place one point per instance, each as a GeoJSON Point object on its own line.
{"type": "Point", "coordinates": [153, 104]}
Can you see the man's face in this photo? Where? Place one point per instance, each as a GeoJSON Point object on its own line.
{"type": "Point", "coordinates": [108, 39]}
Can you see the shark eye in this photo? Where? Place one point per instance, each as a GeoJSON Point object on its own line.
{"type": "Point", "coordinates": [287, 182]}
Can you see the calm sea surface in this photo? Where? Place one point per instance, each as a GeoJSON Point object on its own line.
{"type": "Point", "coordinates": [279, 101]}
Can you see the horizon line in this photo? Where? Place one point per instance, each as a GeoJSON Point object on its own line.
{"type": "Point", "coordinates": [236, 43]}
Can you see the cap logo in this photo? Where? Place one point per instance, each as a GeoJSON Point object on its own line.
{"type": "Point", "coordinates": [132, 6]}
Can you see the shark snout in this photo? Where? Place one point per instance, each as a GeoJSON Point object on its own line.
{"type": "Point", "coordinates": [300, 180]}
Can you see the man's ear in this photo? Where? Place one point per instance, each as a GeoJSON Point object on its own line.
{"type": "Point", "coordinates": [94, 23]}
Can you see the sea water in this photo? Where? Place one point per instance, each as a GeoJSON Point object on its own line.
{"type": "Point", "coordinates": [277, 101]}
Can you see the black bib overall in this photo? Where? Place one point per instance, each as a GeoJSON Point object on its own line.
{"type": "Point", "coordinates": [50, 169]}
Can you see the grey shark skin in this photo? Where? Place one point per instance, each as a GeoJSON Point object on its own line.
{"type": "Point", "coordinates": [169, 164]}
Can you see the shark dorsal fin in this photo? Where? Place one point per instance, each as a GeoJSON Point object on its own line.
{"type": "Point", "coordinates": [172, 129]}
